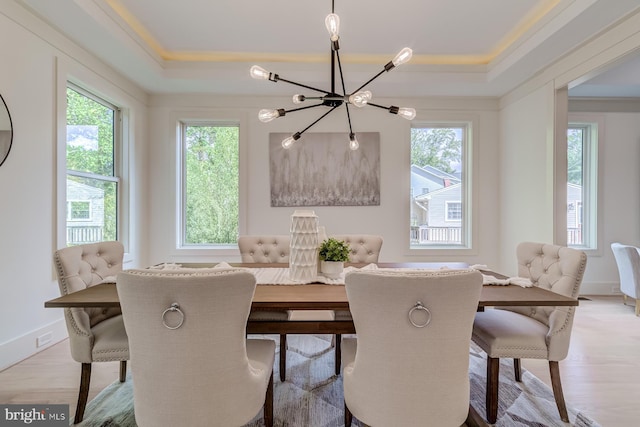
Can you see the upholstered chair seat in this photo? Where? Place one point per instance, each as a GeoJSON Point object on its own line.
{"type": "Point", "coordinates": [409, 365]}
{"type": "Point", "coordinates": [192, 364]}
{"type": "Point", "coordinates": [532, 332]}
{"type": "Point", "coordinates": [95, 334]}
{"type": "Point", "coordinates": [268, 249]}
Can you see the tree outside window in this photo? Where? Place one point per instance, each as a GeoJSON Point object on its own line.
{"type": "Point", "coordinates": [210, 183]}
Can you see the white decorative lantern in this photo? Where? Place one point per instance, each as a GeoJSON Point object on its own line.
{"type": "Point", "coordinates": [303, 257]}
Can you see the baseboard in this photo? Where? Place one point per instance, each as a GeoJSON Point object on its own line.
{"type": "Point", "coordinates": [600, 288]}
{"type": "Point", "coordinates": [18, 349]}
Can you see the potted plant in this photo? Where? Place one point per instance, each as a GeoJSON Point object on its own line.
{"type": "Point", "coordinates": [333, 253]}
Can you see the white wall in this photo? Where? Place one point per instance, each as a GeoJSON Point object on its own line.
{"type": "Point", "coordinates": [390, 219]}
{"type": "Point", "coordinates": [28, 82]}
{"type": "Point", "coordinates": [620, 197]}
{"type": "Point", "coordinates": [526, 179]}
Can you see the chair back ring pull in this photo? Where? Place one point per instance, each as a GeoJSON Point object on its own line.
{"type": "Point", "coordinates": [420, 307]}
{"type": "Point", "coordinates": [174, 307]}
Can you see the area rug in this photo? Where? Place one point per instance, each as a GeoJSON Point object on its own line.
{"type": "Point", "coordinates": [312, 394]}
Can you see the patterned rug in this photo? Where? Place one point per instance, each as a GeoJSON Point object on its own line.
{"type": "Point", "coordinates": [312, 395]}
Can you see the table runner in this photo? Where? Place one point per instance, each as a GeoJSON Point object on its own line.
{"type": "Point", "coordinates": [280, 276]}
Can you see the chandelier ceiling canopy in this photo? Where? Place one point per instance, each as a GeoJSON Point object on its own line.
{"type": "Point", "coordinates": [333, 98]}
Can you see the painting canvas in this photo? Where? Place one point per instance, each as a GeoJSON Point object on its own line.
{"type": "Point", "coordinates": [321, 170]}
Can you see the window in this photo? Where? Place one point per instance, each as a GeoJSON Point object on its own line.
{"type": "Point", "coordinates": [454, 211]}
{"type": "Point", "coordinates": [210, 184]}
{"type": "Point", "coordinates": [93, 136]}
{"type": "Point", "coordinates": [582, 191]}
{"type": "Point", "coordinates": [78, 211]}
{"type": "Point", "coordinates": [440, 212]}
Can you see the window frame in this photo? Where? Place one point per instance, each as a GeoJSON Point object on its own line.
{"type": "Point", "coordinates": [469, 197]}
{"type": "Point", "coordinates": [118, 160]}
{"type": "Point", "coordinates": [208, 115]}
{"type": "Point", "coordinates": [592, 129]}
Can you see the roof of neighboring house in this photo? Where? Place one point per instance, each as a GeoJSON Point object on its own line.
{"type": "Point", "coordinates": [434, 174]}
{"type": "Point", "coordinates": [428, 195]}
{"type": "Point", "coordinates": [74, 188]}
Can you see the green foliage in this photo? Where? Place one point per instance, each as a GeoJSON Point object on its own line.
{"type": "Point", "coordinates": [574, 155]}
{"type": "Point", "coordinates": [334, 250]}
{"type": "Point", "coordinates": [212, 188]}
{"type": "Point", "coordinates": [437, 147]}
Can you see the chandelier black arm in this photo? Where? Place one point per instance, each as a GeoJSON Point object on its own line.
{"type": "Point", "coordinates": [344, 91]}
{"type": "Point", "coordinates": [319, 118]}
{"type": "Point", "coordinates": [393, 109]}
{"type": "Point", "coordinates": [278, 78]}
{"type": "Point", "coordinates": [369, 81]}
{"type": "Point", "coordinates": [303, 108]}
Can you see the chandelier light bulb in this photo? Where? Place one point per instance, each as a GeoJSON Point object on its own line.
{"type": "Point", "coordinates": [266, 115]}
{"type": "Point", "coordinates": [332, 21]}
{"type": "Point", "coordinates": [353, 142]}
{"type": "Point", "coordinates": [288, 142]}
{"type": "Point", "coordinates": [259, 73]}
{"type": "Point", "coordinates": [403, 56]}
{"type": "Point", "coordinates": [360, 99]}
{"type": "Point", "coordinates": [298, 99]}
{"type": "Point", "coordinates": [407, 113]}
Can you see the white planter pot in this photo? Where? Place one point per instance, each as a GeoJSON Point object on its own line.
{"type": "Point", "coordinates": [331, 269]}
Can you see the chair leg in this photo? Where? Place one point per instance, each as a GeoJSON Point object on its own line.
{"type": "Point", "coordinates": [517, 370]}
{"type": "Point", "coordinates": [493, 372]}
{"type": "Point", "coordinates": [554, 370]}
{"type": "Point", "coordinates": [83, 394]}
{"type": "Point", "coordinates": [338, 353]}
{"type": "Point", "coordinates": [123, 371]}
{"type": "Point", "coordinates": [347, 416]}
{"type": "Point", "coordinates": [283, 356]}
{"type": "Point", "coordinates": [268, 404]}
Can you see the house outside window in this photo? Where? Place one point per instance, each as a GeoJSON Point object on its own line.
{"type": "Point", "coordinates": [209, 184]}
{"type": "Point", "coordinates": [440, 216]}
{"type": "Point", "coordinates": [92, 182]}
{"type": "Point", "coordinates": [582, 185]}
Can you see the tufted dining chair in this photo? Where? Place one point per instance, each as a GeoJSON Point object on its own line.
{"type": "Point", "coordinates": [264, 248]}
{"type": "Point", "coordinates": [95, 334]}
{"type": "Point", "coordinates": [409, 365]}
{"type": "Point", "coordinates": [268, 249]}
{"type": "Point", "coordinates": [532, 332]}
{"type": "Point", "coordinates": [628, 261]}
{"type": "Point", "coordinates": [192, 364]}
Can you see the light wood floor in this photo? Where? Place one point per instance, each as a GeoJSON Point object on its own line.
{"type": "Point", "coordinates": [601, 375]}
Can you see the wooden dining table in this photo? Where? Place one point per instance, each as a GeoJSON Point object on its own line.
{"type": "Point", "coordinates": [327, 297]}
{"type": "Point", "coordinates": [317, 296]}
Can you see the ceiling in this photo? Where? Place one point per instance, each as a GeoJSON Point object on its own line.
{"type": "Point", "coordinates": [460, 47]}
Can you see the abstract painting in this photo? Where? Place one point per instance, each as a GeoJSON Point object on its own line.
{"type": "Point", "coordinates": [321, 170]}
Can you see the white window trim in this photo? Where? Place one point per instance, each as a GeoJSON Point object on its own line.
{"type": "Point", "coordinates": [470, 177]}
{"type": "Point", "coordinates": [70, 72]}
{"type": "Point", "coordinates": [213, 116]}
{"type": "Point", "coordinates": [594, 123]}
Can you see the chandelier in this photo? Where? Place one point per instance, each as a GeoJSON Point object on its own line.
{"type": "Point", "coordinates": [330, 98]}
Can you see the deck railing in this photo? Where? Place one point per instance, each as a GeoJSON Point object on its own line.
{"type": "Point", "coordinates": [83, 234]}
